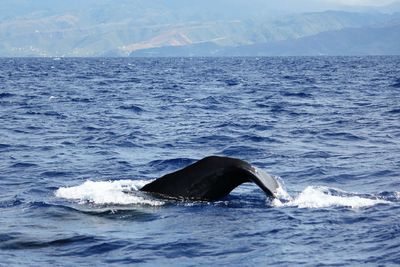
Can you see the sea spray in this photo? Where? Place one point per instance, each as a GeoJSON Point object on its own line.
{"type": "Point", "coordinates": [120, 192]}
{"type": "Point", "coordinates": [322, 197]}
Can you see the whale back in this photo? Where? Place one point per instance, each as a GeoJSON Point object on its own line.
{"type": "Point", "coordinates": [211, 178]}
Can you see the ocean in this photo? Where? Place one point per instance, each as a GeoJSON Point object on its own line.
{"type": "Point", "coordinates": [80, 136]}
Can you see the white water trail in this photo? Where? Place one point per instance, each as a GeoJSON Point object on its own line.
{"type": "Point", "coordinates": [321, 197]}
{"type": "Point", "coordinates": [126, 192]}
{"type": "Point", "coordinates": [120, 192]}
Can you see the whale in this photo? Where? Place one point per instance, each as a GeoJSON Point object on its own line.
{"type": "Point", "coordinates": [211, 178]}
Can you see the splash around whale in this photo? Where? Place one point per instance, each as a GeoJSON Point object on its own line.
{"type": "Point", "coordinates": [210, 179]}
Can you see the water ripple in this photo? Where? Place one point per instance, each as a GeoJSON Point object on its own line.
{"type": "Point", "coordinates": [327, 125]}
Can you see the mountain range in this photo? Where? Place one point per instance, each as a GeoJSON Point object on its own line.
{"type": "Point", "coordinates": [196, 28]}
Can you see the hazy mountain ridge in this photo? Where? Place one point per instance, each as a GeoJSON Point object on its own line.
{"type": "Point", "coordinates": [287, 29]}
{"type": "Point", "coordinates": [102, 28]}
{"type": "Point", "coordinates": [348, 41]}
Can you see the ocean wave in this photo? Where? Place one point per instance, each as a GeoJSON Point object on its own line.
{"type": "Point", "coordinates": [131, 107]}
{"type": "Point", "coordinates": [170, 164]}
{"type": "Point", "coordinates": [6, 95]}
{"type": "Point", "coordinates": [396, 83]}
{"type": "Point", "coordinates": [297, 94]}
{"type": "Point", "coordinates": [14, 243]}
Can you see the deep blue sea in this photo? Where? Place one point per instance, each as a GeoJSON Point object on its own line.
{"type": "Point", "coordinates": [79, 137]}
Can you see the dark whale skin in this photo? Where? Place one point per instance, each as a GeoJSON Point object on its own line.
{"type": "Point", "coordinates": [209, 179]}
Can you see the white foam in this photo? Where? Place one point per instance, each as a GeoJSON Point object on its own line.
{"type": "Point", "coordinates": [320, 197]}
{"type": "Point", "coordinates": [125, 192]}
{"type": "Point", "coordinates": [120, 192]}
{"type": "Point", "coordinates": [281, 192]}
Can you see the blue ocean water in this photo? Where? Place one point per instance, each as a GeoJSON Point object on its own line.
{"type": "Point", "coordinates": [79, 137]}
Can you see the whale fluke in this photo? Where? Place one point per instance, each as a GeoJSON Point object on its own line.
{"type": "Point", "coordinates": [211, 178]}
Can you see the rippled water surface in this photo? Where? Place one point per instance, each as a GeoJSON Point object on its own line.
{"type": "Point", "coordinates": [79, 137]}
